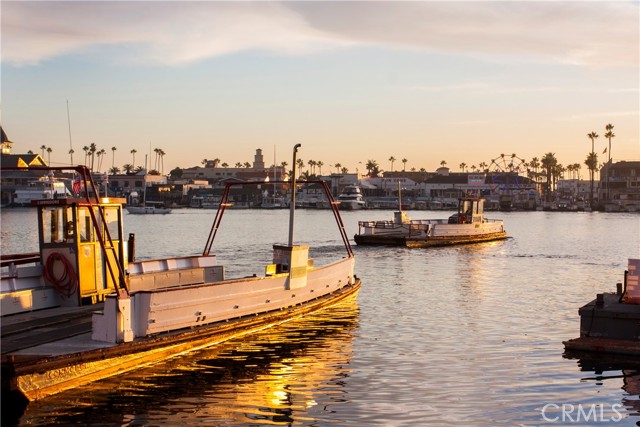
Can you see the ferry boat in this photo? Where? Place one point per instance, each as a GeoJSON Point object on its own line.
{"type": "Point", "coordinates": [82, 308]}
{"type": "Point", "coordinates": [351, 198]}
{"type": "Point", "coordinates": [468, 225]}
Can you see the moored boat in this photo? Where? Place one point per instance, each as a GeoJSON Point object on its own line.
{"type": "Point", "coordinates": [351, 198]}
{"type": "Point", "coordinates": [609, 323]}
{"type": "Point", "coordinates": [48, 187]}
{"type": "Point", "coordinates": [146, 311]}
{"type": "Point", "coordinates": [149, 208]}
{"type": "Point", "coordinates": [468, 225]}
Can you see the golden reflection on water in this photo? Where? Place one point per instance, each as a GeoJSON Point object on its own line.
{"type": "Point", "coordinates": [274, 377]}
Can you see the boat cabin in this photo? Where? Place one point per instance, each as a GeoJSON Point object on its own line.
{"type": "Point", "coordinates": [470, 211]}
{"type": "Point", "coordinates": [81, 256]}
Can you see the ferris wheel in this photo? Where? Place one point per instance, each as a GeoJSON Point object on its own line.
{"type": "Point", "coordinates": [504, 163]}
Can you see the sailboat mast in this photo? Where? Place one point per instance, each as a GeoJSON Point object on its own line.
{"type": "Point", "coordinates": [69, 124]}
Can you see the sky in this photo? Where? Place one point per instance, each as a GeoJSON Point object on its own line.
{"type": "Point", "coordinates": [352, 81]}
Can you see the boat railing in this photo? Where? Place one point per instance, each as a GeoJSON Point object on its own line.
{"type": "Point", "coordinates": [224, 203]}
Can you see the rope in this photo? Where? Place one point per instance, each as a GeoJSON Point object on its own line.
{"type": "Point", "coordinates": [67, 283]}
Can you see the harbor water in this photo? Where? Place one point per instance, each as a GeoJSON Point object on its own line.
{"type": "Point", "coordinates": [456, 336]}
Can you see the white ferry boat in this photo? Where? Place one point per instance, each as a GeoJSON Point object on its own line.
{"type": "Point", "coordinates": [82, 309]}
{"type": "Point", "coordinates": [468, 225]}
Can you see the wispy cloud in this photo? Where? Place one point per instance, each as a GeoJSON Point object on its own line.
{"type": "Point", "coordinates": [174, 33]}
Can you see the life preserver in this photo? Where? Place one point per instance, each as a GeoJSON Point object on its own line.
{"type": "Point", "coordinates": [67, 283]}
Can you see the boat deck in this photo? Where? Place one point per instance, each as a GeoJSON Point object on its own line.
{"type": "Point", "coordinates": [24, 331]}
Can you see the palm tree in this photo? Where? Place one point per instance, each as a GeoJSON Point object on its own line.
{"type": "Point", "coordinates": [113, 156]}
{"type": "Point", "coordinates": [320, 163]}
{"type": "Point", "coordinates": [371, 164]}
{"type": "Point", "coordinates": [225, 165]}
{"type": "Point", "coordinates": [128, 168]}
{"type": "Point", "coordinates": [100, 155]}
{"type": "Point", "coordinates": [593, 136]}
{"type": "Point", "coordinates": [337, 166]}
{"type": "Point", "coordinates": [577, 167]}
{"type": "Point", "coordinates": [311, 164]}
{"type": "Point", "coordinates": [43, 148]}
{"type": "Point", "coordinates": [392, 159]}
{"type": "Point", "coordinates": [549, 162]}
{"type": "Point", "coordinates": [238, 164]}
{"type": "Point", "coordinates": [114, 170]}
{"type": "Point", "coordinates": [133, 161]}
{"type": "Point", "coordinates": [592, 164]}
{"type": "Point", "coordinates": [86, 154]}
{"type": "Point", "coordinates": [483, 166]}
{"type": "Point", "coordinates": [204, 162]}
{"type": "Point", "coordinates": [247, 165]}
{"type": "Point", "coordinates": [463, 166]}
{"type": "Point", "coordinates": [71, 154]}
{"type": "Point", "coordinates": [344, 170]}
{"type": "Point", "coordinates": [404, 164]}
{"type": "Point", "coordinates": [49, 150]}
{"type": "Point", "coordinates": [300, 164]}
{"type": "Point", "coordinates": [161, 153]}
{"type": "Point", "coordinates": [443, 163]}
{"type": "Point", "coordinates": [93, 148]}
{"type": "Point", "coordinates": [608, 135]}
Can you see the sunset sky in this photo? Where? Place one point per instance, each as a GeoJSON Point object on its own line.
{"type": "Point", "coordinates": [351, 81]}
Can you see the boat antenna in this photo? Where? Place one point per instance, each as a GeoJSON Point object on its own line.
{"type": "Point", "coordinates": [292, 208]}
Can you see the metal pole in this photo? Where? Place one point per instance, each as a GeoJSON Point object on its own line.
{"type": "Point", "coordinates": [292, 208]}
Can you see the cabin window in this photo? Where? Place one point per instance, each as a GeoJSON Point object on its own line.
{"type": "Point", "coordinates": [111, 218]}
{"type": "Point", "coordinates": [85, 225]}
{"type": "Point", "coordinates": [57, 225]}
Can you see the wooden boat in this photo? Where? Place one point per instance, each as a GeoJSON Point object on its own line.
{"type": "Point", "coordinates": [468, 225]}
{"type": "Point", "coordinates": [146, 311]}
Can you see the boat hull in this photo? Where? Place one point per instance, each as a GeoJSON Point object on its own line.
{"type": "Point", "coordinates": [147, 210]}
{"type": "Point", "coordinates": [38, 377]}
{"type": "Point", "coordinates": [423, 242]}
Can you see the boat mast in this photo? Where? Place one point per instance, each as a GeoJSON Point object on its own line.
{"type": "Point", "coordinates": [69, 123]}
{"type": "Point", "coordinates": [399, 197]}
{"type": "Point", "coordinates": [292, 208]}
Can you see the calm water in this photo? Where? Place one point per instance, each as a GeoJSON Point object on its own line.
{"type": "Point", "coordinates": [459, 336]}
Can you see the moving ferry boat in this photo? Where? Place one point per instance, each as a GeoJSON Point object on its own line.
{"type": "Point", "coordinates": [468, 225]}
{"type": "Point", "coordinates": [82, 309]}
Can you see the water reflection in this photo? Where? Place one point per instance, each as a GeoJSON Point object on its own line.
{"type": "Point", "coordinates": [607, 367]}
{"type": "Point", "coordinates": [284, 375]}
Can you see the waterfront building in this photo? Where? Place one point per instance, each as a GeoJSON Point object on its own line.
{"type": "Point", "coordinates": [619, 187]}
{"type": "Point", "coordinates": [213, 172]}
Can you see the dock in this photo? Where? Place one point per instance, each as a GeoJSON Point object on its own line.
{"type": "Point", "coordinates": [608, 325]}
